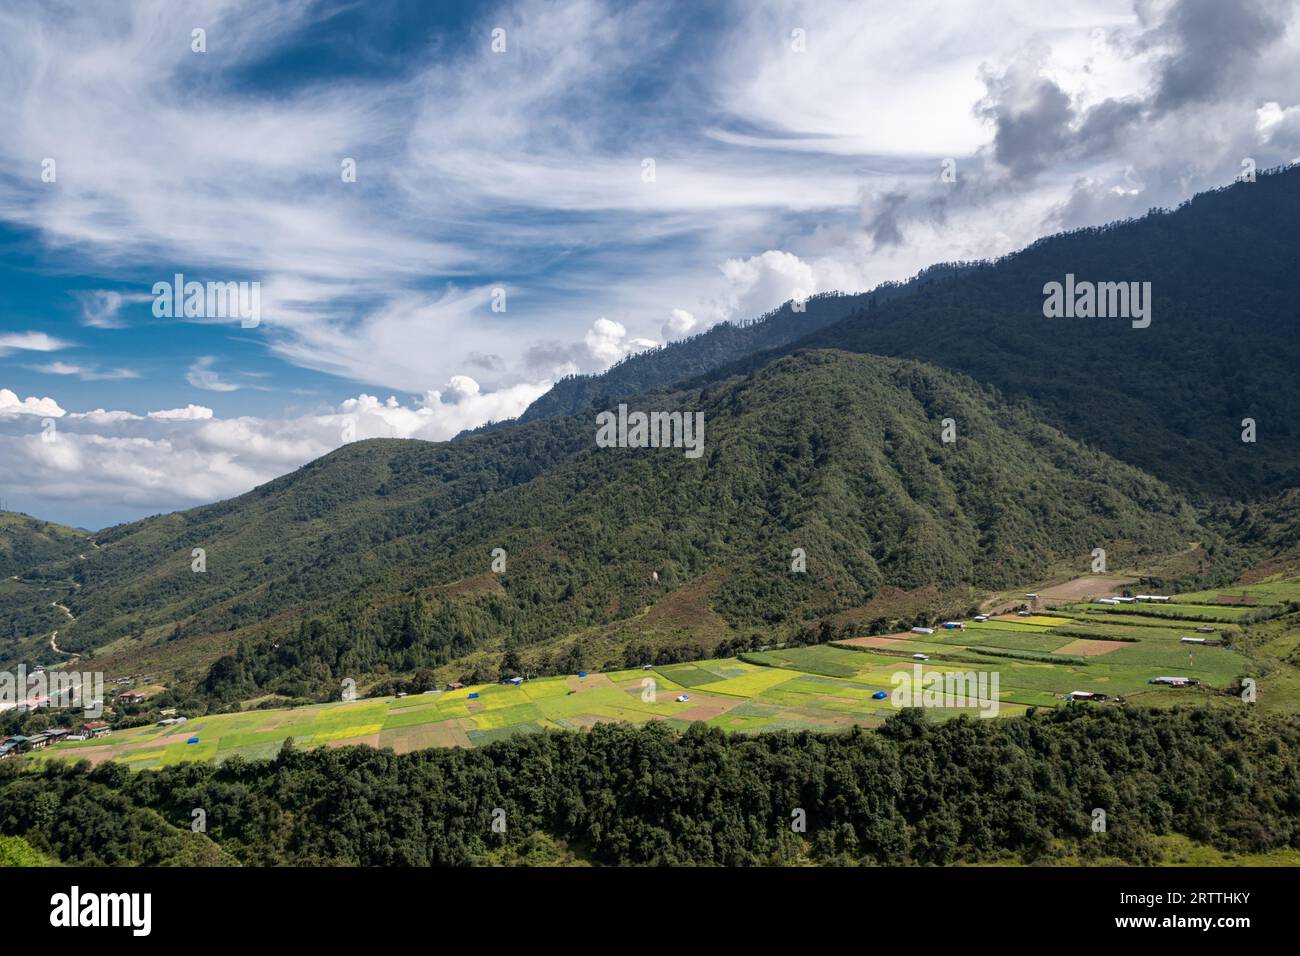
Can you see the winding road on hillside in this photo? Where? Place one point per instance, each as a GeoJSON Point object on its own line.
{"type": "Point", "coordinates": [55, 647]}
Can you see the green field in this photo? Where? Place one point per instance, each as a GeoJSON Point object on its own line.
{"type": "Point", "coordinates": [1037, 662]}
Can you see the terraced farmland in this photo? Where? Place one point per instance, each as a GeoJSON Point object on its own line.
{"type": "Point", "coordinates": [1037, 661]}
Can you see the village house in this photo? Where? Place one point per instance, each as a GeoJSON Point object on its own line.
{"type": "Point", "coordinates": [131, 697]}
{"type": "Point", "coordinates": [97, 728]}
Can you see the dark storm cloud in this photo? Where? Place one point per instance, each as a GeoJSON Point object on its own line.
{"type": "Point", "coordinates": [1027, 134]}
{"type": "Point", "coordinates": [488, 361]}
{"type": "Point", "coordinates": [1212, 49]}
{"type": "Point", "coordinates": [1215, 46]}
{"type": "Point", "coordinates": [882, 218]}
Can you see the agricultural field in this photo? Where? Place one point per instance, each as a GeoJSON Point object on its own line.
{"type": "Point", "coordinates": [1037, 661]}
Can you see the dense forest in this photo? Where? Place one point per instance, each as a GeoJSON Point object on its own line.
{"type": "Point", "coordinates": [915, 792]}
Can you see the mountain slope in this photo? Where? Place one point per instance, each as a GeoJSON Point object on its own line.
{"type": "Point", "coordinates": [27, 542]}
{"type": "Point", "coordinates": [377, 557]}
{"type": "Point", "coordinates": [1223, 344]}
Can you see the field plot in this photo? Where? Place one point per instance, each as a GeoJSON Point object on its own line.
{"type": "Point", "coordinates": [1264, 594]}
{"type": "Point", "coordinates": [1033, 661]}
{"type": "Point", "coordinates": [1199, 613]}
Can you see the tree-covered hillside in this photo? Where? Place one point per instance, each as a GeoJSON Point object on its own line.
{"type": "Point", "coordinates": [384, 547]}
{"type": "Point", "coordinates": [27, 543]}
{"type": "Point", "coordinates": [1223, 344]}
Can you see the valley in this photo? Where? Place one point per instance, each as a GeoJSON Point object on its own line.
{"type": "Point", "coordinates": [1099, 655]}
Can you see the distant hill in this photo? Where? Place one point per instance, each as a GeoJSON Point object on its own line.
{"type": "Point", "coordinates": [27, 542]}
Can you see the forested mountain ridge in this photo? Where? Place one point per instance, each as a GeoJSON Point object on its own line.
{"type": "Point", "coordinates": [384, 547]}
{"type": "Point", "coordinates": [718, 346]}
{"type": "Point", "coordinates": [1223, 344]}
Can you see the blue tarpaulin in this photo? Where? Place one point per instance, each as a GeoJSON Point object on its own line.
{"type": "Point", "coordinates": [192, 740]}
{"type": "Point", "coordinates": [879, 695]}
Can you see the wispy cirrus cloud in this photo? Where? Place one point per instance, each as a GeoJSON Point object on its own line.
{"type": "Point", "coordinates": [622, 173]}
{"type": "Point", "coordinates": [30, 342]}
{"type": "Point", "coordinates": [85, 373]}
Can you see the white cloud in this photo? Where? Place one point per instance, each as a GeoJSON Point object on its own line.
{"type": "Point", "coordinates": [100, 308]}
{"type": "Point", "coordinates": [201, 375]}
{"type": "Point", "coordinates": [84, 372]}
{"type": "Point", "coordinates": [30, 342]}
{"type": "Point", "coordinates": [187, 414]}
{"type": "Point", "coordinates": [763, 282]}
{"type": "Point", "coordinates": [607, 341]}
{"type": "Point", "coordinates": [10, 405]}
{"type": "Point", "coordinates": [115, 463]}
{"type": "Point", "coordinates": [679, 325]}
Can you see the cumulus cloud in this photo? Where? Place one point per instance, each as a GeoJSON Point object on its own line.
{"type": "Point", "coordinates": [679, 325]}
{"type": "Point", "coordinates": [189, 413]}
{"type": "Point", "coordinates": [604, 343]}
{"type": "Point", "coordinates": [607, 341]}
{"type": "Point", "coordinates": [121, 465]}
{"type": "Point", "coordinates": [764, 282]}
{"type": "Point", "coordinates": [11, 405]}
{"type": "Point", "coordinates": [1213, 47]}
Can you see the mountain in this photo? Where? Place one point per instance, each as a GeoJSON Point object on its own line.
{"type": "Point", "coordinates": [1071, 434]}
{"type": "Point", "coordinates": [377, 557]}
{"type": "Point", "coordinates": [721, 345]}
{"type": "Point", "coordinates": [1223, 344]}
{"type": "Point", "coordinates": [36, 563]}
{"type": "Point", "coordinates": [27, 542]}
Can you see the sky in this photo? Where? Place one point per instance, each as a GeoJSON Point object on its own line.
{"type": "Point", "coordinates": [446, 207]}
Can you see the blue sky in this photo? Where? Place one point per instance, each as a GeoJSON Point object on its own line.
{"type": "Point", "coordinates": [796, 148]}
